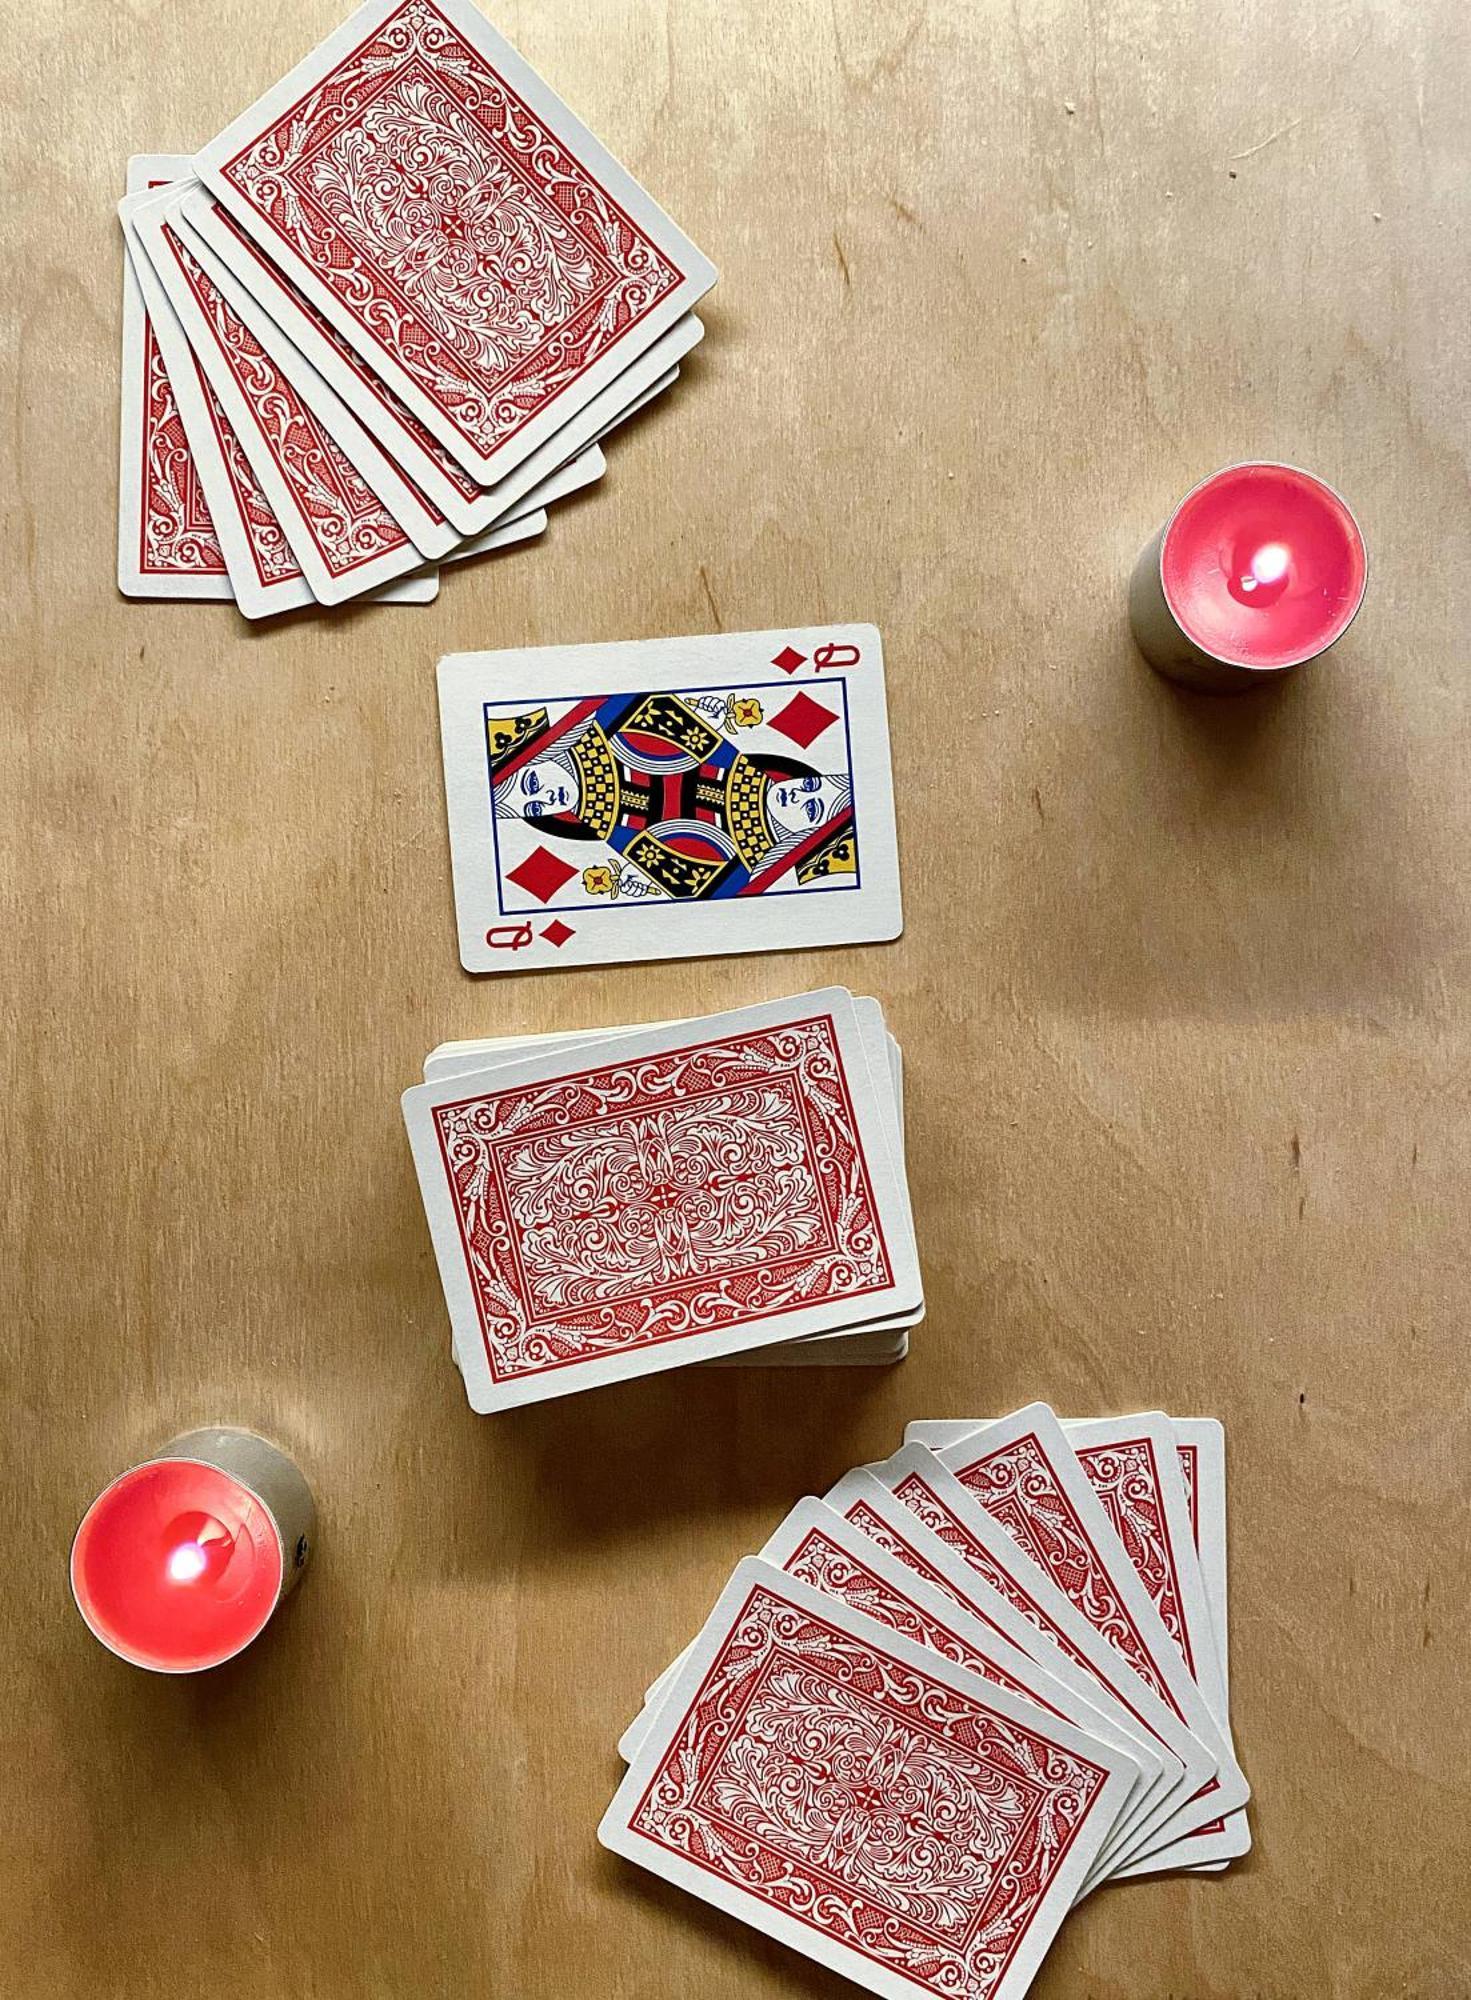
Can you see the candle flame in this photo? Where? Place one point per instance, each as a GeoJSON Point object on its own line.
{"type": "Point", "coordinates": [187, 1562]}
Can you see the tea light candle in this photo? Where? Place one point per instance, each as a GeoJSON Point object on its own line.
{"type": "Point", "coordinates": [1260, 568]}
{"type": "Point", "coordinates": [181, 1561]}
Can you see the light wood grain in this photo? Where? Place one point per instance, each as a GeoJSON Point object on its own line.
{"type": "Point", "coordinates": [1182, 993]}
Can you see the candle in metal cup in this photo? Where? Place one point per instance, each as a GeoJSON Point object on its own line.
{"type": "Point", "coordinates": [181, 1561]}
{"type": "Point", "coordinates": [1260, 568]}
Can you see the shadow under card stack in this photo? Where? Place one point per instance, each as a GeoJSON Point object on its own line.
{"type": "Point", "coordinates": [952, 1697]}
{"type": "Point", "coordinates": [383, 322]}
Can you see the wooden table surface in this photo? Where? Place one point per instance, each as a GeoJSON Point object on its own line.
{"type": "Point", "coordinates": [1182, 992]}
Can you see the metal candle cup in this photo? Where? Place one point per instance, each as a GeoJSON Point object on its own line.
{"type": "Point", "coordinates": [1260, 568]}
{"type": "Point", "coordinates": [181, 1561]}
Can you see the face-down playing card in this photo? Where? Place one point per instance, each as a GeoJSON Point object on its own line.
{"type": "Point", "coordinates": [863, 1799]}
{"type": "Point", "coordinates": [867, 1343]}
{"type": "Point", "coordinates": [668, 798]}
{"type": "Point", "coordinates": [265, 577]}
{"type": "Point", "coordinates": [1146, 1470]}
{"type": "Point", "coordinates": [431, 196]}
{"type": "Point", "coordinates": [1026, 1477]}
{"type": "Point", "coordinates": [852, 1547]}
{"type": "Point", "coordinates": [167, 545]}
{"type": "Point", "coordinates": [690, 1191]}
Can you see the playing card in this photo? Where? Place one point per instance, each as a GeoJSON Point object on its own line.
{"type": "Point", "coordinates": [690, 1191]}
{"type": "Point", "coordinates": [1201, 1455]}
{"type": "Point", "coordinates": [311, 348]}
{"type": "Point", "coordinates": [669, 797]}
{"type": "Point", "coordinates": [864, 1800]}
{"type": "Point", "coordinates": [918, 1479]}
{"type": "Point", "coordinates": [167, 546]}
{"type": "Point", "coordinates": [1134, 1467]}
{"type": "Point", "coordinates": [434, 199]}
{"type": "Point", "coordinates": [265, 577]}
{"type": "Point", "coordinates": [1201, 1444]}
{"type": "Point", "coordinates": [343, 537]}
{"type": "Point", "coordinates": [426, 525]}
{"type": "Point", "coordinates": [1025, 1475]}
{"type": "Point", "coordinates": [859, 1557]}
{"type": "Point", "coordinates": [881, 1341]}
{"type": "Point", "coordinates": [305, 333]}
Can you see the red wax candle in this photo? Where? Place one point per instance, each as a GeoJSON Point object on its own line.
{"type": "Point", "coordinates": [180, 1562]}
{"type": "Point", "coordinates": [1259, 568]}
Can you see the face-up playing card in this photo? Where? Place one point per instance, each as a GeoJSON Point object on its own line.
{"type": "Point", "coordinates": [434, 199]}
{"type": "Point", "coordinates": [167, 546]}
{"type": "Point", "coordinates": [341, 533]}
{"type": "Point", "coordinates": [669, 798]}
{"type": "Point", "coordinates": [690, 1191]}
{"type": "Point", "coordinates": [864, 1800]}
{"type": "Point", "coordinates": [1025, 1476]}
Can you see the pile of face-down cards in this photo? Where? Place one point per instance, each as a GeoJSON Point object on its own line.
{"type": "Point", "coordinates": [633, 1199]}
{"type": "Point", "coordinates": [382, 322]}
{"type": "Point", "coordinates": [944, 1702]}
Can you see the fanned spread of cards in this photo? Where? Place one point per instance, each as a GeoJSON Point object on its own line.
{"type": "Point", "coordinates": [952, 1697]}
{"type": "Point", "coordinates": [666, 798]}
{"type": "Point", "coordinates": [386, 319]}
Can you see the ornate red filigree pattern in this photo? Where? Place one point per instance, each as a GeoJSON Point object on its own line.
{"type": "Point", "coordinates": [348, 523]}
{"type": "Point", "coordinates": [348, 355]}
{"type": "Point", "coordinates": [856, 1794]}
{"type": "Point", "coordinates": [1125, 1476]}
{"type": "Point", "coordinates": [664, 1197]}
{"type": "Point", "coordinates": [1020, 1491]}
{"type": "Point", "coordinates": [830, 1568]}
{"type": "Point", "coordinates": [269, 549]}
{"type": "Point", "coordinates": [177, 537]}
{"type": "Point", "coordinates": [452, 225]}
{"type": "Point", "coordinates": [1187, 1455]}
{"type": "Point", "coordinates": [926, 1506]}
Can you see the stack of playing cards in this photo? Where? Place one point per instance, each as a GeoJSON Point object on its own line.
{"type": "Point", "coordinates": [382, 321]}
{"type": "Point", "coordinates": [619, 1202]}
{"type": "Point", "coordinates": [944, 1702]}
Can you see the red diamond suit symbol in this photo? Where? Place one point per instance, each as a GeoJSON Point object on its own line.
{"type": "Point", "coordinates": [541, 874]}
{"type": "Point", "coordinates": [557, 932]}
{"type": "Point", "coordinates": [789, 659]}
{"type": "Point", "coordinates": [803, 720]}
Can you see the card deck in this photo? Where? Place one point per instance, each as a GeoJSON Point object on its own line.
{"type": "Point", "coordinates": [342, 534]}
{"type": "Point", "coordinates": [1144, 1471]}
{"type": "Point", "coordinates": [669, 797]}
{"type": "Point", "coordinates": [405, 335]}
{"type": "Point", "coordinates": [871, 1343]}
{"type": "Point", "coordinates": [863, 1799]}
{"type": "Point", "coordinates": [1027, 1478]}
{"type": "Point", "coordinates": [686, 1191]}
